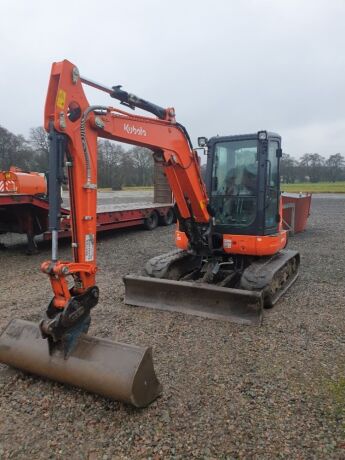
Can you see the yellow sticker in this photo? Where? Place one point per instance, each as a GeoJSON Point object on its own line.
{"type": "Point", "coordinates": [61, 99]}
{"type": "Point", "coordinates": [202, 204]}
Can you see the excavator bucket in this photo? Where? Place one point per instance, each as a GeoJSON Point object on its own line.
{"type": "Point", "coordinates": [201, 299]}
{"type": "Point", "coordinates": [116, 370]}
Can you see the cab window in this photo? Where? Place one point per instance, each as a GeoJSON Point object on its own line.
{"type": "Point", "coordinates": [234, 182]}
{"type": "Point", "coordinates": [272, 185]}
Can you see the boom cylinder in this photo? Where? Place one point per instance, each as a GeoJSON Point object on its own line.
{"type": "Point", "coordinates": [57, 146]}
{"type": "Point", "coordinates": [134, 101]}
{"type": "Point", "coordinates": [131, 100]}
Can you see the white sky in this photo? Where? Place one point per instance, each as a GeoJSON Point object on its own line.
{"type": "Point", "coordinates": [227, 66]}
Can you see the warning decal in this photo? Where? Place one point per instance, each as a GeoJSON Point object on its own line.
{"type": "Point", "coordinates": [89, 247]}
{"type": "Point", "coordinates": [227, 244]}
{"type": "Point", "coordinates": [61, 99]}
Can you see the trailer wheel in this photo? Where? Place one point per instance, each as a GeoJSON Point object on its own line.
{"type": "Point", "coordinates": [151, 221]}
{"type": "Point", "coordinates": [168, 218]}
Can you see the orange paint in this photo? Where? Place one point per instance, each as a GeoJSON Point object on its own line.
{"type": "Point", "coordinates": [250, 245]}
{"type": "Point", "coordinates": [25, 183]}
{"type": "Point", "coordinates": [65, 96]}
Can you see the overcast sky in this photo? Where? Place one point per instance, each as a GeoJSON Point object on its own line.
{"type": "Point", "coordinates": [227, 66]}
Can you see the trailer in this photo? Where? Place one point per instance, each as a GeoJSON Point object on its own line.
{"type": "Point", "coordinates": [114, 216]}
{"type": "Point", "coordinates": [296, 210]}
{"type": "Point", "coordinates": [28, 214]}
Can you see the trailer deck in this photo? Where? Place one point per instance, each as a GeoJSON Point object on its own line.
{"type": "Point", "coordinates": [122, 215]}
{"type": "Point", "coordinates": [28, 214]}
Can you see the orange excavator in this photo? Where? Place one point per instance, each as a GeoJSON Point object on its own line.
{"type": "Point", "coordinates": [230, 260]}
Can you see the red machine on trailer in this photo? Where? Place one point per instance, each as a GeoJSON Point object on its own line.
{"type": "Point", "coordinates": [24, 208]}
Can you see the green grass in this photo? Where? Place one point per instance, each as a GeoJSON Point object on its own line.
{"type": "Point", "coordinates": [138, 188]}
{"type": "Point", "coordinates": [318, 187]}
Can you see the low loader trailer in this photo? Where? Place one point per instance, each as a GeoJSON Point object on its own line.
{"type": "Point", "coordinates": [27, 213]}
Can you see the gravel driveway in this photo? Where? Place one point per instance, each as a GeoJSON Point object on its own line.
{"type": "Point", "coordinates": [230, 391]}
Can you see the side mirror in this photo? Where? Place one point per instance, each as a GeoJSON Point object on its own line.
{"type": "Point", "coordinates": [202, 142]}
{"type": "Point", "coordinates": [279, 152]}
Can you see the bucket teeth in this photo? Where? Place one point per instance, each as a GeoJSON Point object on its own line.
{"type": "Point", "coordinates": [116, 370]}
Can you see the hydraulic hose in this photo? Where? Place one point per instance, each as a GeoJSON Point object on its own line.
{"type": "Point", "coordinates": [90, 109]}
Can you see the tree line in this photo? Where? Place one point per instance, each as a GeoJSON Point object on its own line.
{"type": "Point", "coordinates": [312, 167]}
{"type": "Point", "coordinates": [118, 167]}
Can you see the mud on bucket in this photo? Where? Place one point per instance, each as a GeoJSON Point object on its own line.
{"type": "Point", "coordinates": [116, 370]}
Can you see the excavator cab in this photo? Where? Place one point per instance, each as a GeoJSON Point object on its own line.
{"type": "Point", "coordinates": [242, 177]}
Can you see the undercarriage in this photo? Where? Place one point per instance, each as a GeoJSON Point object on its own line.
{"type": "Point", "coordinates": [234, 288]}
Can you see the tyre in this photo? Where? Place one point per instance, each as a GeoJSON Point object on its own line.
{"type": "Point", "coordinates": [151, 221]}
{"type": "Point", "coordinates": [168, 218]}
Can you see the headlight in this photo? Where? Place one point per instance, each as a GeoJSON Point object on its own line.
{"type": "Point", "coordinates": [262, 135]}
{"type": "Point", "coordinates": [202, 141]}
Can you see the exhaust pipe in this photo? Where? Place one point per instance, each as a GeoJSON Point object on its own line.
{"type": "Point", "coordinates": [115, 370]}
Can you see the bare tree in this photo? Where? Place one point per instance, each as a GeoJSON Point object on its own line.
{"type": "Point", "coordinates": [8, 145]}
{"type": "Point", "coordinates": [335, 167]}
{"type": "Point", "coordinates": [109, 164]}
{"type": "Point", "coordinates": [118, 166]}
{"type": "Point", "coordinates": [288, 168]}
{"type": "Point", "coordinates": [313, 164]}
{"type": "Point", "coordinates": [143, 163]}
{"type": "Point", "coordinates": [14, 151]}
{"type": "Point", "coordinates": [39, 139]}
{"type": "Point", "coordinates": [40, 143]}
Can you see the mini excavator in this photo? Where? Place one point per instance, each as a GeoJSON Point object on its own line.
{"type": "Point", "coordinates": [234, 265]}
{"type": "Point", "coordinates": [229, 262]}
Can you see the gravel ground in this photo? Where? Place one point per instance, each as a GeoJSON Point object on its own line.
{"type": "Point", "coordinates": [229, 391]}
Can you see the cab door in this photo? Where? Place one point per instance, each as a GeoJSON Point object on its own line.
{"type": "Point", "coordinates": [272, 187]}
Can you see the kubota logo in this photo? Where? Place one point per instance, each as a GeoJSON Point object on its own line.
{"type": "Point", "coordinates": [130, 129]}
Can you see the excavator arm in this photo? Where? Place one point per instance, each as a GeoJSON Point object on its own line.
{"type": "Point", "coordinates": [74, 127]}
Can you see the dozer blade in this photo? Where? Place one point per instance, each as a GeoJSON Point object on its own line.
{"type": "Point", "coordinates": [201, 299]}
{"type": "Point", "coordinates": [116, 370]}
